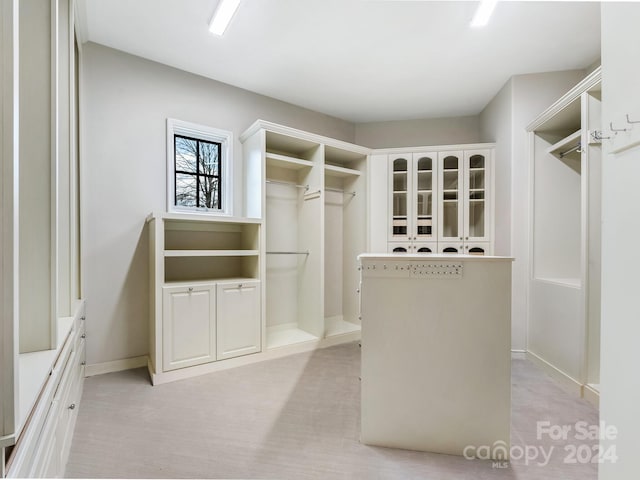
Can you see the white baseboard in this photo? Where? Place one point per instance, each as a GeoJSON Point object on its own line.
{"type": "Point", "coordinates": [115, 366]}
{"type": "Point", "coordinates": [591, 395]}
{"type": "Point", "coordinates": [268, 354]}
{"type": "Point", "coordinates": [569, 383]}
{"type": "Point", "coordinates": [518, 354]}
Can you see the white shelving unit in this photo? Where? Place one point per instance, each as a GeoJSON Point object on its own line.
{"type": "Point", "coordinates": [206, 292]}
{"type": "Point", "coordinates": [564, 317]}
{"type": "Point", "coordinates": [312, 196]}
{"type": "Point", "coordinates": [441, 200]}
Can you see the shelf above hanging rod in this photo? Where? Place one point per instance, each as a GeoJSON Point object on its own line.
{"type": "Point", "coordinates": [340, 191]}
{"type": "Point", "coordinates": [289, 253]}
{"type": "Point", "coordinates": [575, 148]}
{"type": "Point", "coordinates": [306, 187]}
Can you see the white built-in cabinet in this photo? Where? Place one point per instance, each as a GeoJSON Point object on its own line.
{"type": "Point", "coordinates": [189, 325]}
{"type": "Point", "coordinates": [412, 202]}
{"type": "Point", "coordinates": [237, 300]}
{"type": "Point", "coordinates": [311, 193]}
{"type": "Point", "coordinates": [205, 307]}
{"type": "Point", "coordinates": [42, 325]}
{"type": "Point", "coordinates": [441, 201]}
{"type": "Point", "coordinates": [564, 292]}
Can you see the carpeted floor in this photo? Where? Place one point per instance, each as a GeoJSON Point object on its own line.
{"type": "Point", "coordinates": [294, 418]}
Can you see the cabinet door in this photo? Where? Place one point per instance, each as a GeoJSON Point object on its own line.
{"type": "Point", "coordinates": [477, 205]}
{"type": "Point", "coordinates": [400, 247]}
{"type": "Point", "coordinates": [478, 248]}
{"type": "Point", "coordinates": [450, 202]}
{"type": "Point", "coordinates": [451, 247]}
{"type": "Point", "coordinates": [238, 318]}
{"type": "Point", "coordinates": [425, 247]}
{"type": "Point", "coordinates": [423, 194]}
{"type": "Point", "coordinates": [189, 326]}
{"type": "Point", "coordinates": [400, 181]}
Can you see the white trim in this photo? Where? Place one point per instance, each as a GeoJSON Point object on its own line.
{"type": "Point", "coordinates": [9, 225]}
{"type": "Point", "coordinates": [268, 354]}
{"type": "Point", "coordinates": [301, 134]}
{"type": "Point", "coordinates": [435, 148]}
{"type": "Point", "coordinates": [569, 383]}
{"type": "Point", "coordinates": [589, 82]}
{"type": "Point", "coordinates": [203, 132]}
{"type": "Point", "coordinates": [115, 366]}
{"type": "Point", "coordinates": [591, 395]}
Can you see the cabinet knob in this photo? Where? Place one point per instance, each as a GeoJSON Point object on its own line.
{"type": "Point", "coordinates": [83, 318]}
{"type": "Point", "coordinates": [72, 406]}
{"type": "Point", "coordinates": [84, 335]}
{"type": "Point", "coordinates": [240, 286]}
{"type": "Point", "coordinates": [83, 363]}
{"type": "Point", "coordinates": [460, 238]}
{"type": "Point", "coordinates": [191, 289]}
{"type": "Point", "coordinates": [466, 238]}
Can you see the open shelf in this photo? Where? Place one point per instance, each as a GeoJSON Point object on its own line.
{"type": "Point", "coordinates": [285, 161]}
{"type": "Point", "coordinates": [569, 143]}
{"type": "Point", "coordinates": [287, 334]}
{"type": "Point", "coordinates": [210, 253]}
{"type": "Point", "coordinates": [181, 283]}
{"type": "Point", "coordinates": [335, 171]}
{"type": "Point", "coordinates": [337, 326]}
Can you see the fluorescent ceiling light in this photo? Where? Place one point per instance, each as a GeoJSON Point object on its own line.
{"type": "Point", "coordinates": [223, 15]}
{"type": "Point", "coordinates": [483, 13]}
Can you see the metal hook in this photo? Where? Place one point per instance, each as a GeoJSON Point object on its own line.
{"type": "Point", "coordinates": [631, 121]}
{"type": "Point", "coordinates": [597, 135]}
{"type": "Point", "coordinates": [617, 129]}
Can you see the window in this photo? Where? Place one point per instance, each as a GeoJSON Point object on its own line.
{"type": "Point", "coordinates": [198, 168]}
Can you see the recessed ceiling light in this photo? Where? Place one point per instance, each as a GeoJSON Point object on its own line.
{"type": "Point", "coordinates": [483, 13]}
{"type": "Point", "coordinates": [223, 15]}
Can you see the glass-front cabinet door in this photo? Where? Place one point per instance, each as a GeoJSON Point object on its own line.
{"type": "Point", "coordinates": [424, 190]}
{"type": "Point", "coordinates": [451, 208]}
{"type": "Point", "coordinates": [476, 189]}
{"type": "Point", "coordinates": [400, 182]}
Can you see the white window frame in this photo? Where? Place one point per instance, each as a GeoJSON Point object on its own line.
{"type": "Point", "coordinates": [209, 134]}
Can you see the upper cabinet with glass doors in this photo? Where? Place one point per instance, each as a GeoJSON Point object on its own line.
{"type": "Point", "coordinates": [412, 179]}
{"type": "Point", "coordinates": [441, 202]}
{"type": "Point", "coordinates": [464, 202]}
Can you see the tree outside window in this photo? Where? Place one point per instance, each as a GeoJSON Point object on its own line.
{"type": "Point", "coordinates": [198, 173]}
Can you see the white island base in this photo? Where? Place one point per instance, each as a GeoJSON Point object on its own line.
{"type": "Point", "coordinates": [436, 359]}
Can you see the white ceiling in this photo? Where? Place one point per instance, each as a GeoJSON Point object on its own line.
{"type": "Point", "coordinates": [360, 60]}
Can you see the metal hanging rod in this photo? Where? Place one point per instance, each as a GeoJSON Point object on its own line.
{"type": "Point", "coordinates": [289, 253]}
{"type": "Point", "coordinates": [339, 191]}
{"type": "Point", "coordinates": [306, 187]}
{"type": "Point", "coordinates": [572, 149]}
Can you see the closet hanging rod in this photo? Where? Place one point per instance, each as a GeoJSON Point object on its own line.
{"type": "Point", "coordinates": [306, 187]}
{"type": "Point", "coordinates": [340, 191]}
{"type": "Point", "coordinates": [572, 149]}
{"type": "Point", "coordinates": [289, 253]}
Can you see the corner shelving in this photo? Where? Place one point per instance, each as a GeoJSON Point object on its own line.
{"type": "Point", "coordinates": [313, 202]}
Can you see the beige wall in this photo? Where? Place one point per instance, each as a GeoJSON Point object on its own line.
{"type": "Point", "coordinates": [125, 103]}
{"type": "Point", "coordinates": [415, 133]}
{"type": "Point", "coordinates": [504, 120]}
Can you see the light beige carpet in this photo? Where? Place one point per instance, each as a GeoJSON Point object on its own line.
{"type": "Point", "coordinates": [291, 418]}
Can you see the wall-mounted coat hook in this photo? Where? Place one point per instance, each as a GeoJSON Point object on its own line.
{"type": "Point", "coordinates": [631, 121]}
{"type": "Point", "coordinates": [617, 129]}
{"type": "Point", "coordinates": [596, 135]}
